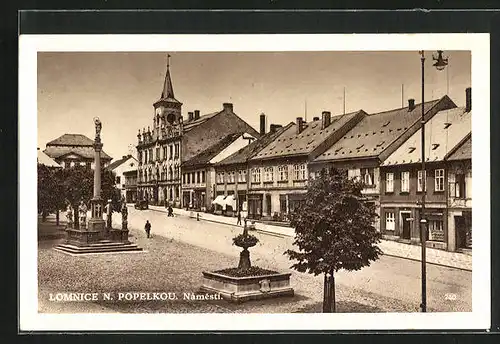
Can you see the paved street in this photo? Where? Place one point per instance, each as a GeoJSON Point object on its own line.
{"type": "Point", "coordinates": [390, 284]}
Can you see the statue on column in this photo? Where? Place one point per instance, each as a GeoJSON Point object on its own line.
{"type": "Point", "coordinates": [69, 215]}
{"type": "Point", "coordinates": [109, 211]}
{"type": "Point", "coordinates": [82, 214]}
{"type": "Point", "coordinates": [98, 127]}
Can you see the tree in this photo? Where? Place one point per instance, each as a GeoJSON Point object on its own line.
{"type": "Point", "coordinates": [49, 192]}
{"type": "Point", "coordinates": [334, 230]}
{"type": "Point", "coordinates": [78, 184]}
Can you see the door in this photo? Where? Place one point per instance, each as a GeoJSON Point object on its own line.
{"type": "Point", "coordinates": [406, 224]}
{"type": "Point", "coordinates": [268, 205]}
{"type": "Point", "coordinates": [460, 232]}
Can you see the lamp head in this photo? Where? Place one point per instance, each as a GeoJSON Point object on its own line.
{"type": "Point", "coordinates": [440, 61]}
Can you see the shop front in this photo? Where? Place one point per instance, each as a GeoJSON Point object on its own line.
{"type": "Point", "coordinates": [255, 206]}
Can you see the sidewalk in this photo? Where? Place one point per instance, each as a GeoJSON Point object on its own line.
{"type": "Point", "coordinates": [391, 248]}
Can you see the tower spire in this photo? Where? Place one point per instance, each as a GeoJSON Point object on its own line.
{"type": "Point", "coordinates": [168, 90]}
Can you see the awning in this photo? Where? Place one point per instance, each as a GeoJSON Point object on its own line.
{"type": "Point", "coordinates": [230, 201]}
{"type": "Point", "coordinates": [219, 200]}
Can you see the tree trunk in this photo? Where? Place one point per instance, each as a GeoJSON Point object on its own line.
{"type": "Point", "coordinates": [329, 293]}
{"type": "Point", "coordinates": [44, 215]}
{"type": "Point", "coordinates": [244, 259]}
{"type": "Point", "coordinates": [57, 217]}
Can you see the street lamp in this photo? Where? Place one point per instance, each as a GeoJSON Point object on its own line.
{"type": "Point", "coordinates": [440, 63]}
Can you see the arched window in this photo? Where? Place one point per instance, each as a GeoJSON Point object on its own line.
{"type": "Point", "coordinates": [170, 173]}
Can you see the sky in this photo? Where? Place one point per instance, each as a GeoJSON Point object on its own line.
{"type": "Point", "coordinates": [120, 88]}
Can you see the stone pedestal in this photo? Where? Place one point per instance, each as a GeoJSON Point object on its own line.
{"type": "Point", "coordinates": [96, 222]}
{"type": "Point", "coordinates": [118, 235]}
{"type": "Point", "coordinates": [82, 237]}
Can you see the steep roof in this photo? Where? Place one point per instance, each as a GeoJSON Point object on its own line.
{"type": "Point", "coordinates": [289, 143]}
{"type": "Point", "coordinates": [462, 151]}
{"type": "Point", "coordinates": [118, 162]}
{"type": "Point", "coordinates": [167, 93]}
{"type": "Point", "coordinates": [189, 125]}
{"type": "Point", "coordinates": [443, 132]}
{"type": "Point", "coordinates": [205, 156]}
{"type": "Point", "coordinates": [71, 140]}
{"type": "Point", "coordinates": [247, 152]}
{"type": "Point", "coordinates": [44, 159]}
{"type": "Point", "coordinates": [374, 133]}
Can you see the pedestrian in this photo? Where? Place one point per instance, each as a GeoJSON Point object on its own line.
{"type": "Point", "coordinates": [170, 211]}
{"type": "Point", "coordinates": [147, 228]}
{"type": "Point", "coordinates": [239, 218]}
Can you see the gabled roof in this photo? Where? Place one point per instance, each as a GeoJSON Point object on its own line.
{"type": "Point", "coordinates": [71, 140]}
{"type": "Point", "coordinates": [443, 132]}
{"type": "Point", "coordinates": [189, 125]}
{"type": "Point", "coordinates": [462, 151]}
{"type": "Point", "coordinates": [205, 156]}
{"type": "Point", "coordinates": [44, 159]}
{"type": "Point", "coordinates": [118, 162]}
{"type": "Point", "coordinates": [253, 148]}
{"type": "Point", "coordinates": [374, 133]}
{"type": "Point", "coordinates": [289, 143]}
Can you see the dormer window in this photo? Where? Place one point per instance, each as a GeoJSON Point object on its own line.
{"type": "Point", "coordinates": [447, 125]}
{"type": "Point", "coordinates": [386, 124]}
{"type": "Point", "coordinates": [435, 146]}
{"type": "Point", "coordinates": [380, 144]}
{"type": "Point", "coordinates": [411, 149]}
{"type": "Point", "coordinates": [359, 147]}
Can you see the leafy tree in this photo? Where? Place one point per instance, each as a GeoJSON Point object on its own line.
{"type": "Point", "coordinates": [78, 184]}
{"type": "Point", "coordinates": [334, 230]}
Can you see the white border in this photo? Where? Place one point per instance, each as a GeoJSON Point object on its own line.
{"type": "Point", "coordinates": [29, 45]}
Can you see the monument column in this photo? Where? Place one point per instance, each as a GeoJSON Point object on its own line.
{"type": "Point", "coordinates": [96, 222]}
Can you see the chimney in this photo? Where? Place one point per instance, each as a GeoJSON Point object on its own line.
{"type": "Point", "coordinates": [190, 116]}
{"type": "Point", "coordinates": [228, 107]}
{"type": "Point", "coordinates": [196, 114]}
{"type": "Point", "coordinates": [326, 118]}
{"type": "Point", "coordinates": [315, 119]}
{"type": "Point", "coordinates": [468, 99]}
{"type": "Point", "coordinates": [274, 127]}
{"type": "Point", "coordinates": [300, 125]}
{"type": "Point", "coordinates": [411, 104]}
{"type": "Point", "coordinates": [262, 124]}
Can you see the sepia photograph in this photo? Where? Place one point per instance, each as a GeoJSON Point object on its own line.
{"type": "Point", "coordinates": [262, 178]}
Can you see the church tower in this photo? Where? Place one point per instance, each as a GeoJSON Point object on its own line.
{"type": "Point", "coordinates": [167, 110]}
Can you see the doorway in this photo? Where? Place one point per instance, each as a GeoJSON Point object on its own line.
{"type": "Point", "coordinates": [406, 225]}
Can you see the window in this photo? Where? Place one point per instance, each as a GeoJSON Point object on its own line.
{"type": "Point", "coordinates": [299, 172]}
{"type": "Point", "coordinates": [198, 177]}
{"type": "Point", "coordinates": [256, 175]}
{"type": "Point", "coordinates": [242, 176]}
{"type": "Point", "coordinates": [145, 156]}
{"type": "Point", "coordinates": [193, 180]}
{"type": "Point", "coordinates": [184, 178]}
{"type": "Point", "coordinates": [389, 182]}
{"type": "Point", "coordinates": [151, 155]}
{"type": "Point", "coordinates": [220, 177]}
{"type": "Point", "coordinates": [117, 179]}
{"type": "Point", "coordinates": [269, 174]}
{"type": "Point", "coordinates": [405, 181]}
{"type": "Point", "coordinates": [354, 173]}
{"type": "Point", "coordinates": [230, 177]}
{"type": "Point", "coordinates": [139, 156]}
{"type": "Point", "coordinates": [158, 153]}
{"type": "Point", "coordinates": [283, 173]}
{"type": "Point", "coordinates": [170, 173]}
{"type": "Point", "coordinates": [176, 150]}
{"type": "Point", "coordinates": [436, 230]}
{"type": "Point", "coordinates": [389, 221]}
{"type": "Point", "coordinates": [460, 190]}
{"type": "Point", "coordinates": [203, 176]}
{"type": "Point", "coordinates": [171, 156]}
{"type": "Point", "coordinates": [439, 180]}
{"type": "Point", "coordinates": [368, 175]}
{"type": "Point", "coordinates": [164, 153]}
{"type": "Point", "coordinates": [189, 178]}
{"type": "Point", "coordinates": [419, 181]}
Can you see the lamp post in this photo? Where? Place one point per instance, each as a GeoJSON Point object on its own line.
{"type": "Point", "coordinates": [440, 63]}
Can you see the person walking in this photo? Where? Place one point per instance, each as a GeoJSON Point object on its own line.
{"type": "Point", "coordinates": [147, 228]}
{"type": "Point", "coordinates": [239, 219]}
{"type": "Point", "coordinates": [170, 211]}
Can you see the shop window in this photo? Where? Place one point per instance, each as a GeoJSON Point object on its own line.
{"type": "Point", "coordinates": [436, 232]}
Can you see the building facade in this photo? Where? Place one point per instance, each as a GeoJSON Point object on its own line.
{"type": "Point", "coordinates": [361, 150]}
{"type": "Point", "coordinates": [130, 186]}
{"type": "Point", "coordinates": [171, 140]}
{"type": "Point", "coordinates": [71, 150]}
{"type": "Point", "coordinates": [402, 184]}
{"type": "Point", "coordinates": [119, 167]}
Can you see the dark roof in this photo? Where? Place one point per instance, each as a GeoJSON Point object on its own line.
{"type": "Point", "coordinates": [167, 93]}
{"type": "Point", "coordinates": [205, 156]}
{"type": "Point", "coordinates": [247, 152]}
{"type": "Point", "coordinates": [188, 125]}
{"type": "Point", "coordinates": [374, 133]}
{"type": "Point", "coordinates": [462, 151]}
{"type": "Point", "coordinates": [118, 162]}
{"type": "Point", "coordinates": [73, 144]}
{"type": "Point", "coordinates": [71, 140]}
{"type": "Point", "coordinates": [290, 143]}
